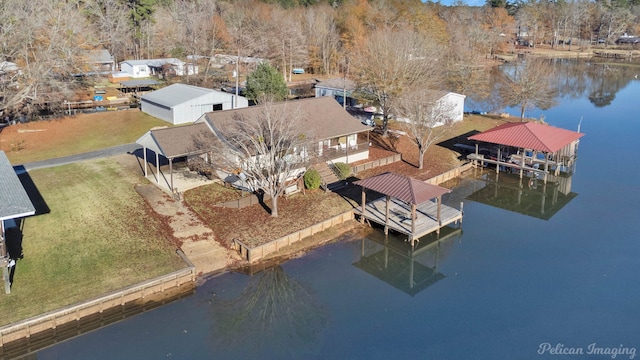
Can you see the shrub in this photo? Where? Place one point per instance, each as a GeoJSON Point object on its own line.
{"type": "Point", "coordinates": [343, 170]}
{"type": "Point", "coordinates": [312, 179]}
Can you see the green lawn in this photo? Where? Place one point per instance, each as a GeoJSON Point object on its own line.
{"type": "Point", "coordinates": [40, 140]}
{"type": "Point", "coordinates": [98, 235]}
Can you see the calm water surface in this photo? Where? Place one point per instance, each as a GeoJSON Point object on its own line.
{"type": "Point", "coordinates": [507, 283]}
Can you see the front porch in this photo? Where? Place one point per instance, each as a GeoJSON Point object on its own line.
{"type": "Point", "coordinates": [347, 149]}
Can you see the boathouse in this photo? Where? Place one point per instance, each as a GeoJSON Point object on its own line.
{"type": "Point", "coordinates": [14, 204]}
{"type": "Point", "coordinates": [410, 206]}
{"type": "Point", "coordinates": [527, 146]}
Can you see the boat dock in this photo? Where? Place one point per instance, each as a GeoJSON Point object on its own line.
{"type": "Point", "coordinates": [399, 216]}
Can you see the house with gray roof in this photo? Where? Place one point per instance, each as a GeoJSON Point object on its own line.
{"type": "Point", "coordinates": [14, 204]}
{"type": "Point", "coordinates": [337, 88]}
{"type": "Point", "coordinates": [99, 60]}
{"type": "Point", "coordinates": [339, 136]}
{"type": "Point", "coordinates": [181, 103]}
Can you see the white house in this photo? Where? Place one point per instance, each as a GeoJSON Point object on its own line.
{"type": "Point", "coordinates": [450, 102]}
{"type": "Point", "coordinates": [180, 103]}
{"type": "Point", "coordinates": [454, 102]}
{"type": "Point", "coordinates": [149, 67]}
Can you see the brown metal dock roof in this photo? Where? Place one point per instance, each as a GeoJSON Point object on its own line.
{"type": "Point", "coordinates": [402, 187]}
{"type": "Point", "coordinates": [529, 135]}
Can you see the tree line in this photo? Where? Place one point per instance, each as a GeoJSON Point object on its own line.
{"type": "Point", "coordinates": [47, 39]}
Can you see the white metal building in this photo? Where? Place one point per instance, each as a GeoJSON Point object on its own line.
{"type": "Point", "coordinates": [145, 68]}
{"type": "Point", "coordinates": [180, 103]}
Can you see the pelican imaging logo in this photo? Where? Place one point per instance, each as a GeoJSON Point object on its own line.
{"type": "Point", "coordinates": [591, 349]}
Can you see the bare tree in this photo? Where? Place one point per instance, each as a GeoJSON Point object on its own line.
{"type": "Point", "coordinates": [110, 22]}
{"type": "Point", "coordinates": [392, 60]}
{"type": "Point", "coordinates": [45, 41]}
{"type": "Point", "coordinates": [270, 147]}
{"type": "Point", "coordinates": [426, 117]}
{"type": "Point", "coordinates": [528, 84]}
{"type": "Point", "coordinates": [323, 38]}
{"type": "Point", "coordinates": [274, 314]}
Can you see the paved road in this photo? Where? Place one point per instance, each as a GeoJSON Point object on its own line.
{"type": "Point", "coordinates": [116, 150]}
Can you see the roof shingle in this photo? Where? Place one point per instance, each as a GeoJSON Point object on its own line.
{"type": "Point", "coordinates": [14, 201]}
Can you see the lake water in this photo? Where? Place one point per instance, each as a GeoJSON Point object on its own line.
{"type": "Point", "coordinates": [517, 282]}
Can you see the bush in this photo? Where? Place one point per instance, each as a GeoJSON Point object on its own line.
{"type": "Point", "coordinates": [312, 179]}
{"type": "Point", "coordinates": [343, 170]}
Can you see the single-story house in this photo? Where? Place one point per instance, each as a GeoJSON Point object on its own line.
{"type": "Point", "coordinates": [181, 103]}
{"type": "Point", "coordinates": [150, 67]}
{"type": "Point", "coordinates": [99, 61]}
{"type": "Point", "coordinates": [14, 204]}
{"type": "Point", "coordinates": [340, 137]}
{"type": "Point", "coordinates": [337, 88]}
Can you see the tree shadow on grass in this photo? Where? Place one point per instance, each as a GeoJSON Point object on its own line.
{"type": "Point", "coordinates": [389, 143]}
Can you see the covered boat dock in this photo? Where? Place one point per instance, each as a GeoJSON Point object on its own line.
{"type": "Point", "coordinates": [410, 206]}
{"type": "Point", "coordinates": [528, 147]}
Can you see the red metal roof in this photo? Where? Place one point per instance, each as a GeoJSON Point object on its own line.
{"type": "Point", "coordinates": [529, 135]}
{"type": "Point", "coordinates": [403, 187]}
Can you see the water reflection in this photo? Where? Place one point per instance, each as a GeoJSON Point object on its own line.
{"type": "Point", "coordinates": [274, 314]}
{"type": "Point", "coordinates": [527, 196]}
{"type": "Point", "coordinates": [594, 79]}
{"type": "Point", "coordinates": [408, 269]}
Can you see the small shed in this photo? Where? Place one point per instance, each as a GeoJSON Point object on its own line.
{"type": "Point", "coordinates": [181, 103]}
{"type": "Point", "coordinates": [14, 204]}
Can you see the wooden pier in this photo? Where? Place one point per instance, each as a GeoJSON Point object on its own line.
{"type": "Point", "coordinates": [399, 217]}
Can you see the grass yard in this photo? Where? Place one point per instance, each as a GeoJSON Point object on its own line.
{"type": "Point", "coordinates": [40, 140]}
{"type": "Point", "coordinates": [98, 236]}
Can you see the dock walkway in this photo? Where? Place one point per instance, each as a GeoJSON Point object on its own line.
{"type": "Point", "coordinates": [400, 216]}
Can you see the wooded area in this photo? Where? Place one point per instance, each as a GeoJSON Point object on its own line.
{"type": "Point", "coordinates": [45, 42]}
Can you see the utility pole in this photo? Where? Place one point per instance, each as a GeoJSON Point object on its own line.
{"type": "Point", "coordinates": [235, 100]}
